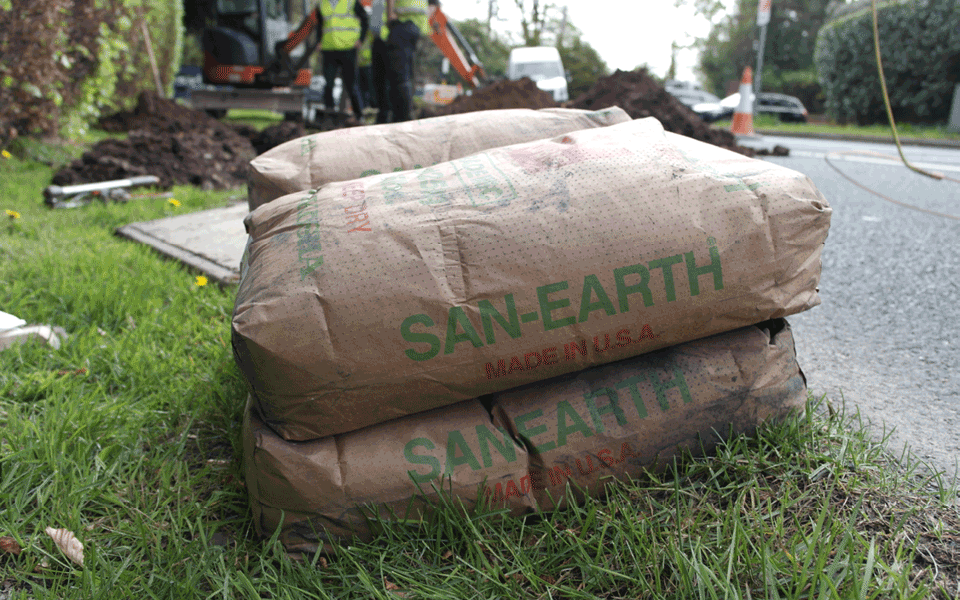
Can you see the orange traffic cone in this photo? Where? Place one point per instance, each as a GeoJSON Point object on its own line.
{"type": "Point", "coordinates": [743, 117]}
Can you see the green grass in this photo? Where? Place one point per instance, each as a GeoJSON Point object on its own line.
{"type": "Point", "coordinates": [255, 118]}
{"type": "Point", "coordinates": [129, 437]}
{"type": "Point", "coordinates": [870, 132]}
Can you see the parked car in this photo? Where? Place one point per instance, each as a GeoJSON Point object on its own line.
{"type": "Point", "coordinates": [787, 108]}
{"type": "Point", "coordinates": [710, 111]}
{"type": "Point", "coordinates": [697, 99]}
{"type": "Point", "coordinates": [691, 97]}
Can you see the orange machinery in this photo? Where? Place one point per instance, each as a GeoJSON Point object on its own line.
{"type": "Point", "coordinates": [257, 53]}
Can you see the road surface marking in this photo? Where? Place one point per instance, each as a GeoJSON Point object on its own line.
{"type": "Point", "coordinates": [873, 160]}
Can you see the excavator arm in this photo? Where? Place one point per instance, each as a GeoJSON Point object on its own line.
{"type": "Point", "coordinates": [282, 70]}
{"type": "Point", "coordinates": [455, 47]}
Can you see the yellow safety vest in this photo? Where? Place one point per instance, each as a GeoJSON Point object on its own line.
{"type": "Point", "coordinates": [341, 27]}
{"type": "Point", "coordinates": [410, 10]}
{"type": "Point", "coordinates": [365, 53]}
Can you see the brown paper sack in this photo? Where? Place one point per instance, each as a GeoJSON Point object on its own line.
{"type": "Point", "coordinates": [343, 154]}
{"type": "Point", "coordinates": [390, 295]}
{"type": "Point", "coordinates": [520, 449]}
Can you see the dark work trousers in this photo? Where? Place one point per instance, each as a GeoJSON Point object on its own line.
{"type": "Point", "coordinates": [365, 83]}
{"type": "Point", "coordinates": [401, 47]}
{"type": "Point", "coordinates": [344, 62]}
{"type": "Point", "coordinates": [381, 88]}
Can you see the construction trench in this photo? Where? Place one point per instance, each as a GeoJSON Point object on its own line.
{"type": "Point", "coordinates": [182, 146]}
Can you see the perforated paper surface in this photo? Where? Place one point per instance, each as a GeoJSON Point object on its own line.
{"type": "Point", "coordinates": [374, 298]}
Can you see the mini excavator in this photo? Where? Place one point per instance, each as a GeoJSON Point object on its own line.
{"type": "Point", "coordinates": [257, 55]}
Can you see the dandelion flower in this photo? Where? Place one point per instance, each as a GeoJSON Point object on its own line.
{"type": "Point", "coordinates": [201, 281]}
{"type": "Point", "coordinates": [13, 214]}
{"type": "Point", "coordinates": [174, 202]}
{"type": "Point", "coordinates": [6, 154]}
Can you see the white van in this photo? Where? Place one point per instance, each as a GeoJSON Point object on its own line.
{"type": "Point", "coordinates": [542, 64]}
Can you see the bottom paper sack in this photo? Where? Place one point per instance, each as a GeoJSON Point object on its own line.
{"type": "Point", "coordinates": [527, 448]}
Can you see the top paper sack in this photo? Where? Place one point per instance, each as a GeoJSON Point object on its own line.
{"type": "Point", "coordinates": [370, 299]}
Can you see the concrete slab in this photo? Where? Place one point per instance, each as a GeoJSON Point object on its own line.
{"type": "Point", "coordinates": [211, 241]}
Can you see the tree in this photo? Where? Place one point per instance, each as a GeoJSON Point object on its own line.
{"type": "Point", "coordinates": [581, 61]}
{"type": "Point", "coordinates": [492, 50]}
{"type": "Point", "coordinates": [728, 47]}
{"type": "Point", "coordinates": [795, 24]}
{"type": "Point", "coordinates": [708, 8]}
{"type": "Point", "coordinates": [788, 56]}
{"type": "Point", "coordinates": [540, 24]}
{"type": "Point", "coordinates": [546, 24]}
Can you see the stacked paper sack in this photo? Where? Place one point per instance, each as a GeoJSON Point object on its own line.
{"type": "Point", "coordinates": [505, 305]}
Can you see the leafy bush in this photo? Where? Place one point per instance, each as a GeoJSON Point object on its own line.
{"type": "Point", "coordinates": [164, 20]}
{"type": "Point", "coordinates": [192, 51]}
{"type": "Point", "coordinates": [65, 62]}
{"type": "Point", "coordinates": [920, 51]}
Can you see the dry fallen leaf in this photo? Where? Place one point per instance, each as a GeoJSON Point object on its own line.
{"type": "Point", "coordinates": [82, 371]}
{"type": "Point", "coordinates": [9, 545]}
{"type": "Point", "coordinates": [68, 544]}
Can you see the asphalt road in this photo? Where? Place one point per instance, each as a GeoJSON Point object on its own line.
{"type": "Point", "coordinates": [886, 338]}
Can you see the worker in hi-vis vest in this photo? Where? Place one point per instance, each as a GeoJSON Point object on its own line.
{"type": "Point", "coordinates": [364, 71]}
{"type": "Point", "coordinates": [342, 24]}
{"type": "Point", "coordinates": [405, 21]}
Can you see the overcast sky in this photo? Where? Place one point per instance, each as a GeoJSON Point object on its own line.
{"type": "Point", "coordinates": [626, 33]}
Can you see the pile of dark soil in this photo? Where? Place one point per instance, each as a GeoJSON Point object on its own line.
{"type": "Point", "coordinates": [179, 145]}
{"type": "Point", "coordinates": [275, 135]}
{"type": "Point", "coordinates": [183, 146]}
{"type": "Point", "coordinates": [640, 95]}
{"type": "Point", "coordinates": [636, 92]}
{"type": "Point", "coordinates": [522, 93]}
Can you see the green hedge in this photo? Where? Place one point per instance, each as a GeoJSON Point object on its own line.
{"type": "Point", "coordinates": [920, 51]}
{"type": "Point", "coordinates": [801, 84]}
{"type": "Point", "coordinates": [64, 63]}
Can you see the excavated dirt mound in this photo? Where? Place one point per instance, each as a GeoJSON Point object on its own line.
{"type": "Point", "coordinates": [179, 145]}
{"type": "Point", "coordinates": [522, 93]}
{"type": "Point", "coordinates": [183, 146]}
{"type": "Point", "coordinates": [275, 135]}
{"type": "Point", "coordinates": [641, 96]}
{"type": "Point", "coordinates": [636, 92]}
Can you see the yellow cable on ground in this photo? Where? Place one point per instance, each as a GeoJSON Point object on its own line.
{"type": "Point", "coordinates": [896, 139]}
{"type": "Point", "coordinates": [886, 98]}
{"type": "Point", "coordinates": [876, 193]}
